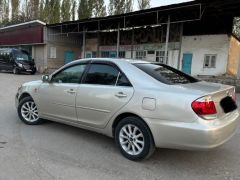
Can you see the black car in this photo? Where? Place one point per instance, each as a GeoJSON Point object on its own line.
{"type": "Point", "coordinates": [16, 60]}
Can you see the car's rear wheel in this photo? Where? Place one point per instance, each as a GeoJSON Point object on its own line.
{"type": "Point", "coordinates": [28, 112]}
{"type": "Point", "coordinates": [134, 138]}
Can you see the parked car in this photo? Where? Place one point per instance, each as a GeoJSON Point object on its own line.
{"type": "Point", "coordinates": [142, 105]}
{"type": "Point", "coordinates": [16, 60]}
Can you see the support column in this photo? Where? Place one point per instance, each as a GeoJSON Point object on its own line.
{"type": "Point", "coordinates": [118, 40]}
{"type": "Point", "coordinates": [132, 43]}
{"type": "Point", "coordinates": [167, 40]}
{"type": "Point", "coordinates": [180, 46]}
{"type": "Point", "coordinates": [83, 43]}
{"type": "Point", "coordinates": [98, 40]}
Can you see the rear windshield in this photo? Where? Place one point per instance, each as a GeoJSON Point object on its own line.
{"type": "Point", "coordinates": [166, 74]}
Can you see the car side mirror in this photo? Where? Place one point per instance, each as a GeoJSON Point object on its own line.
{"type": "Point", "coordinates": [46, 78]}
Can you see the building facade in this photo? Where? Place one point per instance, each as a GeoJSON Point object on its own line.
{"type": "Point", "coordinates": [195, 37]}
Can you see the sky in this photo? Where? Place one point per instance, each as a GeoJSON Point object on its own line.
{"type": "Point", "coordinates": [155, 3]}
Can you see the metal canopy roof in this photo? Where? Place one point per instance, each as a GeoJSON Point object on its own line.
{"type": "Point", "coordinates": [228, 8]}
{"type": "Point", "coordinates": [179, 12]}
{"type": "Point", "coordinates": [182, 12]}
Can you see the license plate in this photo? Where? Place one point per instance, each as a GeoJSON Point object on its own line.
{"type": "Point", "coordinates": [28, 70]}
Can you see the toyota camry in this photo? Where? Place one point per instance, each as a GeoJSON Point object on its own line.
{"type": "Point", "coordinates": [142, 105]}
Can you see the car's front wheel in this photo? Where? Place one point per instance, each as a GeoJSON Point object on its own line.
{"type": "Point", "coordinates": [134, 138]}
{"type": "Point", "coordinates": [15, 70]}
{"type": "Point", "coordinates": [28, 112]}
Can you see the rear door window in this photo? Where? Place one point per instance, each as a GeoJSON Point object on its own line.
{"type": "Point", "coordinates": [101, 74]}
{"type": "Point", "coordinates": [166, 74]}
{"type": "Point", "coordinates": [105, 74]}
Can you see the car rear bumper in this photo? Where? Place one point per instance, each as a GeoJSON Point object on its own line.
{"type": "Point", "coordinates": [200, 135]}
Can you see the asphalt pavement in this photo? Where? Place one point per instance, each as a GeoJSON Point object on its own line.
{"type": "Point", "coordinates": [56, 151]}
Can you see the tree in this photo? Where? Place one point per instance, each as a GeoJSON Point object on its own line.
{"type": "Point", "coordinates": [42, 14]}
{"type": "Point", "coordinates": [73, 10]}
{"type": "Point", "coordinates": [85, 9]}
{"type": "Point", "coordinates": [65, 10]}
{"type": "Point", "coordinates": [143, 4]}
{"type": "Point", "coordinates": [236, 27]}
{"type": "Point", "coordinates": [15, 10]}
{"type": "Point", "coordinates": [1, 12]}
{"type": "Point", "coordinates": [116, 7]}
{"type": "Point", "coordinates": [99, 8]}
{"type": "Point", "coordinates": [52, 8]}
{"type": "Point", "coordinates": [128, 6]}
{"type": "Point", "coordinates": [6, 12]}
{"type": "Point", "coordinates": [35, 9]}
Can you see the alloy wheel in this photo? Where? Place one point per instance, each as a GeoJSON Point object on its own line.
{"type": "Point", "coordinates": [29, 111]}
{"type": "Point", "coordinates": [131, 139]}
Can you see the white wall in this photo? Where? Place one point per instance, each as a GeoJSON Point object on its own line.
{"type": "Point", "coordinates": [39, 55]}
{"type": "Point", "coordinates": [207, 44]}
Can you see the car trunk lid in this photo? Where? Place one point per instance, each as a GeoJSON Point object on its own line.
{"type": "Point", "coordinates": [223, 96]}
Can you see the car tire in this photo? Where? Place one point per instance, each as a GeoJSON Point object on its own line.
{"type": "Point", "coordinates": [15, 71]}
{"type": "Point", "coordinates": [33, 72]}
{"type": "Point", "coordinates": [134, 139]}
{"type": "Point", "coordinates": [28, 112]}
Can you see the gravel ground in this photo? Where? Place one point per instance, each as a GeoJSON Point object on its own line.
{"type": "Point", "coordinates": [56, 151]}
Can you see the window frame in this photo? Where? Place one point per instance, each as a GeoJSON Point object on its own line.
{"type": "Point", "coordinates": [161, 56]}
{"type": "Point", "coordinates": [143, 54]}
{"type": "Point", "coordinates": [109, 64]}
{"type": "Point", "coordinates": [210, 61]}
{"type": "Point", "coordinates": [70, 66]}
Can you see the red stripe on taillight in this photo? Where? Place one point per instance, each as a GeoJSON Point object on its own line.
{"type": "Point", "coordinates": [204, 108]}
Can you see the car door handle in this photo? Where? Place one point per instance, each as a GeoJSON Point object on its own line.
{"type": "Point", "coordinates": [71, 91]}
{"type": "Point", "coordinates": [120, 95]}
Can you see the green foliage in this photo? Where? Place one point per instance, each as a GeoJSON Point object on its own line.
{"type": "Point", "coordinates": [128, 6]}
{"type": "Point", "coordinates": [65, 10]}
{"type": "Point", "coordinates": [99, 8]}
{"type": "Point", "coordinates": [85, 9]}
{"type": "Point", "coordinates": [53, 9]}
{"type": "Point", "coordinates": [120, 6]}
{"type": "Point", "coordinates": [73, 10]}
{"type": "Point", "coordinates": [15, 10]}
{"type": "Point", "coordinates": [41, 11]}
{"type": "Point", "coordinates": [143, 4]}
{"type": "Point", "coordinates": [236, 27]}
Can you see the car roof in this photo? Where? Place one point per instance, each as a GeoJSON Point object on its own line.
{"type": "Point", "coordinates": [131, 61]}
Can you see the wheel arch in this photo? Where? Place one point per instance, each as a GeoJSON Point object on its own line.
{"type": "Point", "coordinates": [128, 114]}
{"type": "Point", "coordinates": [23, 95]}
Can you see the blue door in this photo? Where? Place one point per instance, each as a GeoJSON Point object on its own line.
{"type": "Point", "coordinates": [68, 57]}
{"type": "Point", "coordinates": [187, 63]}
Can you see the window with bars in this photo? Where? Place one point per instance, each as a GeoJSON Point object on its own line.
{"type": "Point", "coordinates": [140, 54]}
{"type": "Point", "coordinates": [105, 54]}
{"type": "Point", "coordinates": [210, 61]}
{"type": "Point", "coordinates": [122, 54]}
{"type": "Point", "coordinates": [160, 57]}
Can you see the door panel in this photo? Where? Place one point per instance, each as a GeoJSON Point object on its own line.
{"type": "Point", "coordinates": [96, 104]}
{"type": "Point", "coordinates": [58, 100]}
{"type": "Point", "coordinates": [187, 63]}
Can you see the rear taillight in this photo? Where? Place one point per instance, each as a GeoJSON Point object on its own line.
{"type": "Point", "coordinates": [204, 107]}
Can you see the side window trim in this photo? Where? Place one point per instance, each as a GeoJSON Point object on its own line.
{"type": "Point", "coordinates": [104, 63]}
{"type": "Point", "coordinates": [70, 66]}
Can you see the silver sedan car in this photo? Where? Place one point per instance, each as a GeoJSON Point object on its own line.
{"type": "Point", "coordinates": [142, 105]}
